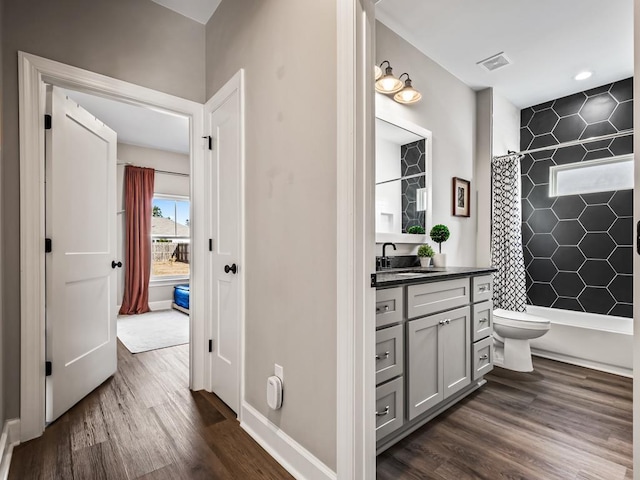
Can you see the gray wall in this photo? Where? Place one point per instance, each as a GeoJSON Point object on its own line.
{"type": "Point", "coordinates": [2, 412]}
{"type": "Point", "coordinates": [288, 51]}
{"type": "Point", "coordinates": [448, 109]}
{"type": "Point", "coordinates": [484, 152]}
{"type": "Point", "coordinates": [133, 40]}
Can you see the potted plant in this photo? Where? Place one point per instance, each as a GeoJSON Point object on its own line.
{"type": "Point", "coordinates": [439, 233]}
{"type": "Point", "coordinates": [416, 230]}
{"type": "Point", "coordinates": [425, 252]}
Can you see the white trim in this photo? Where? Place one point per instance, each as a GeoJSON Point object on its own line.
{"type": "Point", "coordinates": [33, 72]}
{"type": "Point", "coordinates": [9, 439]}
{"type": "Point", "coordinates": [235, 83]}
{"type": "Point", "coordinates": [296, 459]}
{"type": "Point", "coordinates": [583, 362]}
{"type": "Point", "coordinates": [355, 256]}
{"type": "Point", "coordinates": [160, 305]}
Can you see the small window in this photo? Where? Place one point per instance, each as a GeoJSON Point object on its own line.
{"type": "Point", "coordinates": [170, 235]}
{"type": "Point", "coordinates": [602, 175]}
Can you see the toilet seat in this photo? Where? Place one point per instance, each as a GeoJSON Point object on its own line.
{"type": "Point", "coordinates": [520, 320]}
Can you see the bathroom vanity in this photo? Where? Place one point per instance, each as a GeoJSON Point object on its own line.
{"type": "Point", "coordinates": [433, 344]}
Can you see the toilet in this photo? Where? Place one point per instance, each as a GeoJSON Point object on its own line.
{"type": "Point", "coordinates": [511, 334]}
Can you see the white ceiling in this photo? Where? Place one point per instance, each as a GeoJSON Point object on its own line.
{"type": "Point", "coordinates": [136, 125]}
{"type": "Point", "coordinates": [547, 41]}
{"type": "Point", "coordinates": [198, 10]}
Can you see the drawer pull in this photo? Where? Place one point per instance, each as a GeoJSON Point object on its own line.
{"type": "Point", "coordinates": [484, 288]}
{"type": "Point", "coordinates": [386, 355]}
{"type": "Point", "coordinates": [380, 309]}
{"type": "Point", "coordinates": [446, 321]}
{"type": "Point", "coordinates": [484, 357]}
{"type": "Point", "coordinates": [385, 412]}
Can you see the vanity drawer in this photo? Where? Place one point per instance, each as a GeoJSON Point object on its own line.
{"type": "Point", "coordinates": [482, 357]}
{"type": "Point", "coordinates": [427, 298]}
{"type": "Point", "coordinates": [388, 306]}
{"type": "Point", "coordinates": [482, 325]}
{"type": "Point", "coordinates": [389, 407]}
{"type": "Point", "coordinates": [482, 288]}
{"type": "Point", "coordinates": [389, 353]}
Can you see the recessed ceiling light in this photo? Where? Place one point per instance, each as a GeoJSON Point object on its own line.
{"type": "Point", "coordinates": [583, 75]}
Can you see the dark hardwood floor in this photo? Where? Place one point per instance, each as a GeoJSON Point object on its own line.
{"type": "Point", "coordinates": [144, 423]}
{"type": "Point", "coordinates": [558, 422]}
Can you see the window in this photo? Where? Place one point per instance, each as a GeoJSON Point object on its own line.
{"type": "Point", "coordinates": [602, 175]}
{"type": "Point", "coordinates": [170, 235]}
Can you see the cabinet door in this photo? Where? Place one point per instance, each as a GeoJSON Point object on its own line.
{"type": "Point", "coordinates": [424, 375]}
{"type": "Point", "coordinates": [455, 343]}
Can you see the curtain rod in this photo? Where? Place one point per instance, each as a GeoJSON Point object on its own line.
{"type": "Point", "coordinates": [571, 143]}
{"type": "Point", "coordinates": [157, 171]}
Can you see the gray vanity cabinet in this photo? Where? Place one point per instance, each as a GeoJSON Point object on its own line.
{"type": "Point", "coordinates": [433, 347]}
{"type": "Point", "coordinates": [438, 349]}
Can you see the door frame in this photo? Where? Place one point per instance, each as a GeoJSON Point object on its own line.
{"type": "Point", "coordinates": [235, 83]}
{"type": "Point", "coordinates": [355, 242]}
{"type": "Point", "coordinates": [33, 72]}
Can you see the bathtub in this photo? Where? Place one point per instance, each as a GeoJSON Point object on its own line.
{"type": "Point", "coordinates": [601, 342]}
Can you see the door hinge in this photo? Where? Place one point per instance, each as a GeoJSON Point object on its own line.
{"type": "Point", "coordinates": [373, 280]}
{"type": "Point", "coordinates": [210, 140]}
{"type": "Point", "coordinates": [47, 122]}
{"type": "Point", "coordinates": [48, 247]}
{"type": "Point", "coordinates": [210, 346]}
{"type": "Point", "coordinates": [48, 368]}
{"type": "Point", "coordinates": [211, 244]}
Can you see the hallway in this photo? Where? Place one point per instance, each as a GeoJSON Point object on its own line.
{"type": "Point", "coordinates": [144, 423]}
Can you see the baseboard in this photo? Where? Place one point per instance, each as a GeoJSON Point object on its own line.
{"type": "Point", "coordinates": [161, 305]}
{"type": "Point", "coordinates": [9, 439]}
{"type": "Point", "coordinates": [297, 460]}
{"type": "Point", "coordinates": [581, 362]}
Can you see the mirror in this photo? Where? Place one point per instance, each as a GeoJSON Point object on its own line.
{"type": "Point", "coordinates": [403, 180]}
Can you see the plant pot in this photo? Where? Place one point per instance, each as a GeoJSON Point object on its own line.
{"type": "Point", "coordinates": [425, 261]}
{"type": "Point", "coordinates": [440, 260]}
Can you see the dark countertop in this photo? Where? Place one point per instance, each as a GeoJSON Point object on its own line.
{"type": "Point", "coordinates": [413, 275]}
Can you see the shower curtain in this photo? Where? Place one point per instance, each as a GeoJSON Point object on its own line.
{"type": "Point", "coordinates": [510, 290]}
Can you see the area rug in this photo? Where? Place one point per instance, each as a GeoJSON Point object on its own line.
{"type": "Point", "coordinates": [153, 330]}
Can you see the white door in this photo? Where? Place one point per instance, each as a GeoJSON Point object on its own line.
{"type": "Point", "coordinates": [80, 279]}
{"type": "Point", "coordinates": [223, 123]}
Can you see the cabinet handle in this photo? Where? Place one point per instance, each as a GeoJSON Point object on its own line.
{"type": "Point", "coordinates": [482, 320]}
{"type": "Point", "coordinates": [386, 355]}
{"type": "Point", "coordinates": [484, 288]}
{"type": "Point", "coordinates": [484, 357]}
{"type": "Point", "coordinates": [446, 321]}
{"type": "Point", "coordinates": [382, 414]}
{"type": "Point", "coordinates": [379, 309]}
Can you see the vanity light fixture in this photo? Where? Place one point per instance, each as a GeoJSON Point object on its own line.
{"type": "Point", "coordinates": [408, 94]}
{"type": "Point", "coordinates": [377, 71]}
{"type": "Point", "coordinates": [388, 83]}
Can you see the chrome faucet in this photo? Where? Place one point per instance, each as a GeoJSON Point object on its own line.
{"type": "Point", "coordinates": [385, 262]}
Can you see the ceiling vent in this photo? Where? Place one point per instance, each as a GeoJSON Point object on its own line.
{"type": "Point", "coordinates": [494, 62]}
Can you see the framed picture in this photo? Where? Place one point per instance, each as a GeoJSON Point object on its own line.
{"type": "Point", "coordinates": [461, 197]}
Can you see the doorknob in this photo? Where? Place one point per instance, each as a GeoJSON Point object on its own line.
{"type": "Point", "coordinates": [233, 268]}
{"type": "Point", "coordinates": [114, 264]}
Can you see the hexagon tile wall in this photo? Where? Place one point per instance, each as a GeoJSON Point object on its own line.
{"type": "Point", "coordinates": [412, 156]}
{"type": "Point", "coordinates": [578, 248]}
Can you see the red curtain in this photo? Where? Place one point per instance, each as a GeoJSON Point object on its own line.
{"type": "Point", "coordinates": [138, 199]}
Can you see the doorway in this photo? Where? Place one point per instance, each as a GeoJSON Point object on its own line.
{"type": "Point", "coordinates": [35, 72]}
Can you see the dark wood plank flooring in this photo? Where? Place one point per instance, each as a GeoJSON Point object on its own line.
{"type": "Point", "coordinates": [144, 423]}
{"type": "Point", "coordinates": [559, 422]}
